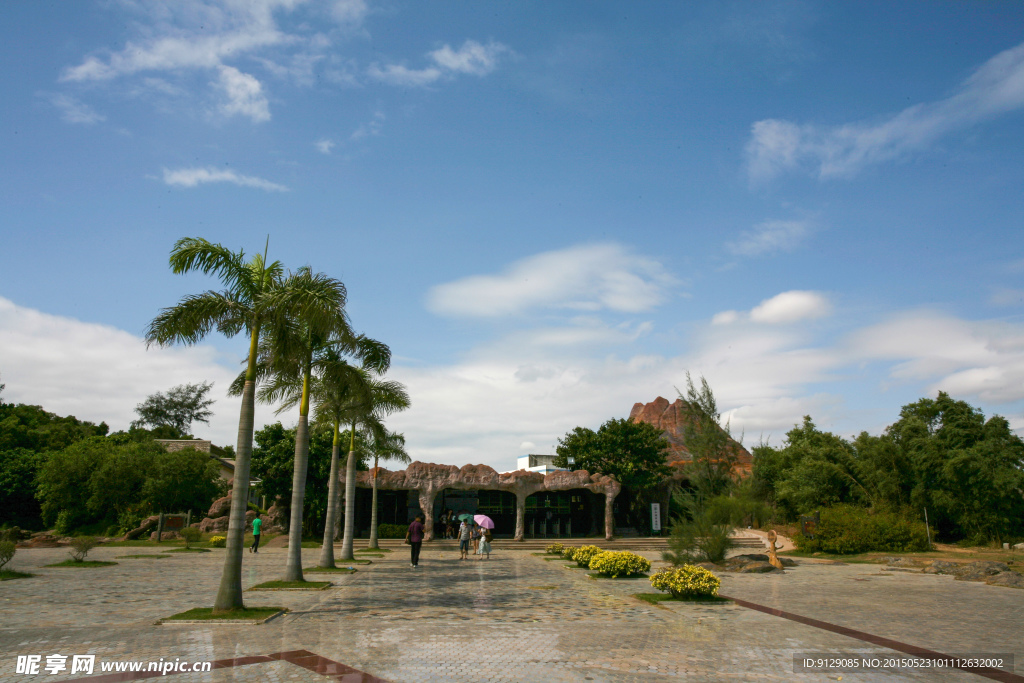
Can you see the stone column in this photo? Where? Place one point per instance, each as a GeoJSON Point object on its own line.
{"type": "Point", "coordinates": [609, 516]}
{"type": "Point", "coordinates": [520, 515]}
{"type": "Point", "coordinates": [427, 506]}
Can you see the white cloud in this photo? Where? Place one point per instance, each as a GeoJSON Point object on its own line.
{"type": "Point", "coordinates": [73, 110]}
{"type": "Point", "coordinates": [191, 177]}
{"type": "Point", "coordinates": [997, 87]}
{"type": "Point", "coordinates": [787, 307]}
{"type": "Point", "coordinates": [205, 35]}
{"type": "Point", "coordinates": [100, 373]}
{"type": "Point", "coordinates": [244, 95]}
{"type": "Point", "coordinates": [527, 446]}
{"type": "Point", "coordinates": [983, 359]}
{"type": "Point", "coordinates": [324, 145]}
{"type": "Point", "coordinates": [350, 13]}
{"type": "Point", "coordinates": [790, 307]}
{"type": "Point", "coordinates": [770, 237]}
{"type": "Point", "coordinates": [582, 278]}
{"type": "Point", "coordinates": [472, 58]}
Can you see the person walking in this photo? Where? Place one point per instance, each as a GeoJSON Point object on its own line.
{"type": "Point", "coordinates": [257, 523]}
{"type": "Point", "coordinates": [476, 538]}
{"type": "Point", "coordinates": [465, 533]}
{"type": "Point", "coordinates": [485, 544]}
{"type": "Point", "coordinates": [414, 537]}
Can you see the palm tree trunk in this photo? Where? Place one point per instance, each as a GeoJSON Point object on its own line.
{"type": "Point", "coordinates": [293, 569]}
{"type": "Point", "coordinates": [229, 594]}
{"type": "Point", "coordinates": [350, 499]}
{"type": "Point", "coordinates": [327, 551]}
{"type": "Point", "coordinates": [373, 513]}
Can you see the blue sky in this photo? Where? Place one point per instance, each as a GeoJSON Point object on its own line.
{"type": "Point", "coordinates": [550, 211]}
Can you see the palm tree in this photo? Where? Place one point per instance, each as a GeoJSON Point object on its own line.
{"type": "Point", "coordinates": [386, 445]}
{"type": "Point", "coordinates": [384, 397]}
{"type": "Point", "coordinates": [252, 297]}
{"type": "Point", "coordinates": [311, 324]}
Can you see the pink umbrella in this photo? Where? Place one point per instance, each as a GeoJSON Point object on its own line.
{"type": "Point", "coordinates": [484, 521]}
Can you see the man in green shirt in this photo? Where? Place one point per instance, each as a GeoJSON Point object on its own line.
{"type": "Point", "coordinates": [256, 524]}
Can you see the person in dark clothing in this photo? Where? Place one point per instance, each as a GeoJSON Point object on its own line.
{"type": "Point", "coordinates": [414, 537]}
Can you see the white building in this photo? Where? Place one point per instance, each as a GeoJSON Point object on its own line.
{"type": "Point", "coordinates": [545, 464]}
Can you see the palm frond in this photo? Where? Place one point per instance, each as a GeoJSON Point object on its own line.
{"type": "Point", "coordinates": [196, 253]}
{"type": "Point", "coordinates": [193, 318]}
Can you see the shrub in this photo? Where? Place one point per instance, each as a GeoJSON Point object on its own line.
{"type": "Point", "coordinates": [63, 525]}
{"type": "Point", "coordinates": [81, 545]}
{"type": "Point", "coordinates": [687, 581]}
{"type": "Point", "coordinates": [554, 549]}
{"type": "Point", "coordinates": [7, 550]}
{"type": "Point", "coordinates": [391, 530]}
{"type": "Point", "coordinates": [13, 534]}
{"type": "Point", "coordinates": [191, 535]}
{"type": "Point", "coordinates": [582, 555]}
{"type": "Point", "coordinates": [218, 541]}
{"type": "Point", "coordinates": [616, 563]}
{"type": "Point", "coordinates": [849, 529]}
{"type": "Point", "coordinates": [697, 535]}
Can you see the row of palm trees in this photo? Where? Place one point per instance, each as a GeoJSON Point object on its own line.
{"type": "Point", "coordinates": [302, 351]}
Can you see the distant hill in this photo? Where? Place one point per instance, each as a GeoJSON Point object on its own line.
{"type": "Point", "coordinates": [672, 419]}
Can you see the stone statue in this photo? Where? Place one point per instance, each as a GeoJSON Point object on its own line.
{"type": "Point", "coordinates": [773, 558]}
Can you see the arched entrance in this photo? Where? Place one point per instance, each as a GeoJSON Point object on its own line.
{"type": "Point", "coordinates": [560, 514]}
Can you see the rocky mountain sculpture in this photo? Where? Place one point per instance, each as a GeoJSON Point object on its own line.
{"type": "Point", "coordinates": [672, 419]}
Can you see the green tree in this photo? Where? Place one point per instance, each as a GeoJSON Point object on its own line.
{"type": "Point", "coordinates": [18, 504]}
{"type": "Point", "coordinates": [632, 452]}
{"type": "Point", "coordinates": [177, 409]}
{"type": "Point", "coordinates": [708, 441]}
{"type": "Point", "coordinates": [179, 481]}
{"type": "Point", "coordinates": [252, 296]}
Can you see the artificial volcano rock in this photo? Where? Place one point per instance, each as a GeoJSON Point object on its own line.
{"type": "Point", "coordinates": [672, 419]}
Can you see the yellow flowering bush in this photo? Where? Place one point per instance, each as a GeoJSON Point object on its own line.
{"type": "Point", "coordinates": [581, 555]}
{"type": "Point", "coordinates": [555, 549]}
{"type": "Point", "coordinates": [218, 541]}
{"type": "Point", "coordinates": [687, 581]}
{"type": "Point", "coordinates": [616, 563]}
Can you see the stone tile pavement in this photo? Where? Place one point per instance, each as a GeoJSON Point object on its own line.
{"type": "Point", "coordinates": [516, 617]}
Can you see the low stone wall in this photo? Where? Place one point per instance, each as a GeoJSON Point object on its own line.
{"type": "Point", "coordinates": [429, 479]}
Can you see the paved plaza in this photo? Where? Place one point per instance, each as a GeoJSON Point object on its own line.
{"type": "Point", "coordinates": [516, 617]}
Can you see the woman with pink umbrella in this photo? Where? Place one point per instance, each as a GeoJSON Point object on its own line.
{"type": "Point", "coordinates": [486, 524]}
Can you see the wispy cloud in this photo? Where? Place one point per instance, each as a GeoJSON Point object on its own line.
{"type": "Point", "coordinates": [73, 110]}
{"type": "Point", "coordinates": [770, 237]}
{"type": "Point", "coordinates": [324, 145]}
{"type": "Point", "coordinates": [582, 278]}
{"type": "Point", "coordinates": [243, 95]}
{"type": "Point", "coordinates": [777, 146]}
{"type": "Point", "coordinates": [370, 128]}
{"type": "Point", "coordinates": [472, 58]}
{"type": "Point", "coordinates": [787, 307]}
{"type": "Point", "coordinates": [192, 177]}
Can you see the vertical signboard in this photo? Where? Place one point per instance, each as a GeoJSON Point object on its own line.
{"type": "Point", "coordinates": [656, 517]}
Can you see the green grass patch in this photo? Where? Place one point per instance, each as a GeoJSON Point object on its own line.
{"type": "Point", "coordinates": [11, 575]}
{"type": "Point", "coordinates": [574, 566]}
{"type": "Point", "coordinates": [332, 570]}
{"type": "Point", "coordinates": [139, 557]}
{"type": "Point", "coordinates": [355, 561]}
{"type": "Point", "coordinates": [292, 585]}
{"type": "Point", "coordinates": [190, 550]}
{"type": "Point", "coordinates": [655, 598]}
{"type": "Point", "coordinates": [82, 564]}
{"type": "Point", "coordinates": [247, 614]}
{"type": "Point", "coordinates": [554, 558]}
{"type": "Point", "coordinates": [374, 550]}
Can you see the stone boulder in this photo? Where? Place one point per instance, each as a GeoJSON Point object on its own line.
{"type": "Point", "coordinates": [210, 526]}
{"type": "Point", "coordinates": [980, 570]}
{"type": "Point", "coordinates": [1008, 579]}
{"type": "Point", "coordinates": [43, 540]}
{"type": "Point", "coordinates": [941, 567]}
{"type": "Point", "coordinates": [756, 568]}
{"type": "Point", "coordinates": [220, 508]}
{"type": "Point", "coordinates": [275, 522]}
{"type": "Point", "coordinates": [165, 536]}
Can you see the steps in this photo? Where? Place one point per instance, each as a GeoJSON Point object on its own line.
{"type": "Point", "coordinates": [635, 543]}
